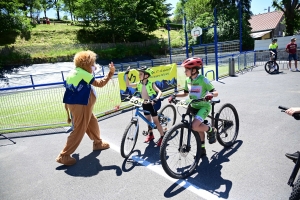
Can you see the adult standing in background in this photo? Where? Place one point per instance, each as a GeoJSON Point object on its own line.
{"type": "Point", "coordinates": [291, 48]}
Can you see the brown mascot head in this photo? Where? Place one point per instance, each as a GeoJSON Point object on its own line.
{"type": "Point", "coordinates": [85, 60]}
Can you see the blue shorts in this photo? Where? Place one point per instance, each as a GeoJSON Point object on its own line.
{"type": "Point", "coordinates": [292, 57]}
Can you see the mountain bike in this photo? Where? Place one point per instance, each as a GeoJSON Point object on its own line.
{"type": "Point", "coordinates": [272, 67]}
{"type": "Point", "coordinates": [295, 195]}
{"type": "Point", "coordinates": [166, 116]}
{"type": "Point", "coordinates": [181, 147]}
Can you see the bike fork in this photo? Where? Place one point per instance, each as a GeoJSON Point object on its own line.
{"type": "Point", "coordinates": [294, 173]}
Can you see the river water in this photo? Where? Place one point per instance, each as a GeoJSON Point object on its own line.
{"type": "Point", "coordinates": [40, 74]}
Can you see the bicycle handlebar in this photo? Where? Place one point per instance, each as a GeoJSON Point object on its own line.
{"type": "Point", "coordinates": [295, 115]}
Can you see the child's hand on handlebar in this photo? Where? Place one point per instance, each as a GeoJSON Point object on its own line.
{"type": "Point", "coordinates": [170, 99]}
{"type": "Point", "coordinates": [208, 96]}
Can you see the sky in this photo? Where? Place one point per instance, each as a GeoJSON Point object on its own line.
{"type": "Point", "coordinates": [257, 7]}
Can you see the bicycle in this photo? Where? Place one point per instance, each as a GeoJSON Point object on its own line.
{"type": "Point", "coordinates": [181, 147]}
{"type": "Point", "coordinates": [295, 194]}
{"type": "Point", "coordinates": [272, 66]}
{"type": "Point", "coordinates": [166, 116]}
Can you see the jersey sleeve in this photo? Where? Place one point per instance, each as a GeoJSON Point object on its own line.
{"type": "Point", "coordinates": [208, 85]}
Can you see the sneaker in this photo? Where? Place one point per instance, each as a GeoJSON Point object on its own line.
{"type": "Point", "coordinates": [159, 141]}
{"type": "Point", "coordinates": [149, 137]}
{"type": "Point", "coordinates": [203, 152]}
{"type": "Point", "coordinates": [290, 69]}
{"type": "Point", "coordinates": [297, 69]}
{"type": "Point", "coordinates": [211, 136]}
{"type": "Point", "coordinates": [293, 156]}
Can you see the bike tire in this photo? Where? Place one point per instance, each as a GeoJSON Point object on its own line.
{"type": "Point", "coordinates": [129, 139]}
{"type": "Point", "coordinates": [295, 195]}
{"type": "Point", "coordinates": [269, 67]}
{"type": "Point", "coordinates": [177, 162]}
{"type": "Point", "coordinates": [226, 120]}
{"type": "Point", "coordinates": [167, 116]}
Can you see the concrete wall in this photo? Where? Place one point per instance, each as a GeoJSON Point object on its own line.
{"type": "Point", "coordinates": [281, 41]}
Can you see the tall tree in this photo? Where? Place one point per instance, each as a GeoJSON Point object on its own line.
{"type": "Point", "coordinates": [291, 11]}
{"type": "Point", "coordinates": [46, 5]}
{"type": "Point", "coordinates": [228, 20]}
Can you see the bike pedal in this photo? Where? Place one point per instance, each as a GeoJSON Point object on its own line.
{"type": "Point", "coordinates": [145, 133]}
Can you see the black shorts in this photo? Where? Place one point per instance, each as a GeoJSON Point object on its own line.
{"type": "Point", "coordinates": [149, 107]}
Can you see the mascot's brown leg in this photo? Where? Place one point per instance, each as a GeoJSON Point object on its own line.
{"type": "Point", "coordinates": [93, 132]}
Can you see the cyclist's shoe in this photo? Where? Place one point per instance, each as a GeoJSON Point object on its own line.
{"type": "Point", "coordinates": [203, 152]}
{"type": "Point", "coordinates": [211, 135]}
{"type": "Point", "coordinates": [293, 156]}
{"type": "Point", "coordinates": [149, 137]}
{"type": "Point", "coordinates": [65, 160]}
{"type": "Point", "coordinates": [159, 141]}
{"type": "Point", "coordinates": [297, 69]}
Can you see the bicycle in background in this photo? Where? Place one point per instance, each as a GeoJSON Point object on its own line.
{"type": "Point", "coordinates": [272, 67]}
{"type": "Point", "coordinates": [181, 147]}
{"type": "Point", "coordinates": [295, 195]}
{"type": "Point", "coordinates": [166, 116]}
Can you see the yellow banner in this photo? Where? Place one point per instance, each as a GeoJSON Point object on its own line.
{"type": "Point", "coordinates": [165, 78]}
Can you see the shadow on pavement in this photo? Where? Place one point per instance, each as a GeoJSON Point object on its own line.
{"type": "Point", "coordinates": [208, 174]}
{"type": "Point", "coordinates": [88, 166]}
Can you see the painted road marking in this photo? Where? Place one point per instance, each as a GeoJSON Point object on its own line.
{"type": "Point", "coordinates": [158, 169]}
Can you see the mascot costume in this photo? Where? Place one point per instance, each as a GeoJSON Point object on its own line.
{"type": "Point", "coordinates": [80, 97]}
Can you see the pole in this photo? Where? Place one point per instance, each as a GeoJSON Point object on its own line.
{"type": "Point", "coordinates": [186, 38]}
{"type": "Point", "coordinates": [216, 44]}
{"type": "Point", "coordinates": [241, 20]}
{"type": "Point", "coordinates": [170, 50]}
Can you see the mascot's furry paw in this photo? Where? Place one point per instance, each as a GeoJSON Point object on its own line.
{"type": "Point", "coordinates": [100, 146]}
{"type": "Point", "coordinates": [65, 160]}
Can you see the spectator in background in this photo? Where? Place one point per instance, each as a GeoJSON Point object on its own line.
{"type": "Point", "coordinates": [44, 21]}
{"type": "Point", "coordinates": [273, 47]}
{"type": "Point", "coordinates": [291, 48]}
{"type": "Point", "coordinates": [47, 20]}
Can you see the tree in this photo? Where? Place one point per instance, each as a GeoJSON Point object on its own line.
{"type": "Point", "coordinates": [46, 5]}
{"type": "Point", "coordinates": [290, 9]}
{"type": "Point", "coordinates": [13, 21]}
{"type": "Point", "coordinates": [69, 6]}
{"type": "Point", "coordinates": [228, 23]}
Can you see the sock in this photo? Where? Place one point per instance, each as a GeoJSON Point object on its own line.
{"type": "Point", "coordinates": [203, 145]}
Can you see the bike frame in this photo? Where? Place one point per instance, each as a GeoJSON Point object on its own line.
{"type": "Point", "coordinates": [211, 116]}
{"type": "Point", "coordinates": [138, 113]}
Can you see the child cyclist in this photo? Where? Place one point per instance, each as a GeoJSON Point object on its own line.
{"type": "Point", "coordinates": [148, 91]}
{"type": "Point", "coordinates": [198, 86]}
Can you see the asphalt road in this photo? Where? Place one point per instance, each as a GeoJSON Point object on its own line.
{"type": "Point", "coordinates": [254, 168]}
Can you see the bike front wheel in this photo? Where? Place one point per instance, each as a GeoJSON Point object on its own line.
{"type": "Point", "coordinates": [271, 67]}
{"type": "Point", "coordinates": [179, 159]}
{"type": "Point", "coordinates": [167, 116]}
{"type": "Point", "coordinates": [227, 125]}
{"type": "Point", "coordinates": [129, 139]}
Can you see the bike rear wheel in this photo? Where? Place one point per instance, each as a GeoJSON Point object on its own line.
{"type": "Point", "coordinates": [167, 116]}
{"type": "Point", "coordinates": [227, 125]}
{"type": "Point", "coordinates": [129, 139]}
{"type": "Point", "coordinates": [295, 195]}
{"type": "Point", "coordinates": [271, 67]}
{"type": "Point", "coordinates": [177, 158]}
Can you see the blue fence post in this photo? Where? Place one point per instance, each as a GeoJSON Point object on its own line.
{"type": "Point", "coordinates": [121, 67]}
{"type": "Point", "coordinates": [186, 38]}
{"type": "Point", "coordinates": [138, 64]}
{"type": "Point", "coordinates": [205, 52]}
{"type": "Point", "coordinates": [216, 44]}
{"type": "Point", "coordinates": [192, 51]}
{"type": "Point", "coordinates": [32, 81]}
{"type": "Point", "coordinates": [102, 70]}
{"type": "Point", "coordinates": [170, 49]}
{"type": "Point", "coordinates": [152, 62]}
{"type": "Point", "coordinates": [240, 20]}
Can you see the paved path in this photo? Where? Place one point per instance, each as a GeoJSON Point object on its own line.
{"type": "Point", "coordinates": [255, 168]}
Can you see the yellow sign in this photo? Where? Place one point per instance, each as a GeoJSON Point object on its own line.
{"type": "Point", "coordinates": [164, 76]}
